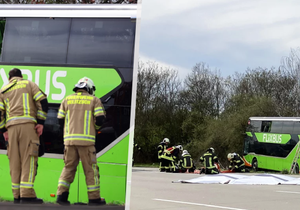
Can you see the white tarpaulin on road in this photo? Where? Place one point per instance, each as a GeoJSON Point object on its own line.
{"type": "Point", "coordinates": [262, 179]}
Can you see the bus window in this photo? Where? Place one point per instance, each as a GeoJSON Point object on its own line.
{"type": "Point", "coordinates": [36, 40]}
{"type": "Point", "coordinates": [287, 127]}
{"type": "Point", "coordinates": [2, 25]}
{"type": "Point", "coordinates": [254, 126]}
{"type": "Point", "coordinates": [52, 135]}
{"type": "Point", "coordinates": [102, 41]}
{"type": "Point", "coordinates": [265, 126]}
{"type": "Point", "coordinates": [276, 127]}
{"type": "Point", "coordinates": [296, 129]}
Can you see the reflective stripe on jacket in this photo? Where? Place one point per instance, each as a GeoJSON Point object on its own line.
{"type": "Point", "coordinates": [20, 103]}
{"type": "Point", "coordinates": [209, 159]}
{"type": "Point", "coordinates": [79, 111]}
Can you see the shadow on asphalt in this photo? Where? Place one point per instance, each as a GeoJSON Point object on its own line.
{"type": "Point", "coordinates": [47, 206]}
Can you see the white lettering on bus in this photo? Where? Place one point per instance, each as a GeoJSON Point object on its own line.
{"type": "Point", "coordinates": [272, 138]}
{"type": "Point", "coordinates": [28, 73]}
{"type": "Point", "coordinates": [4, 77]}
{"type": "Point", "coordinates": [59, 85]}
{"type": "Point", "coordinates": [56, 75]}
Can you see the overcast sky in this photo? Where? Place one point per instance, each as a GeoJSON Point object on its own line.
{"type": "Point", "coordinates": [229, 35]}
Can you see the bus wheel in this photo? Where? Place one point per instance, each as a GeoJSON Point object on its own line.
{"type": "Point", "coordinates": [254, 164]}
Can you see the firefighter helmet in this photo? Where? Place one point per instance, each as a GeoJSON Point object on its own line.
{"type": "Point", "coordinates": [179, 147]}
{"type": "Point", "coordinates": [85, 83]}
{"type": "Point", "coordinates": [166, 140]}
{"type": "Point", "coordinates": [211, 149]}
{"type": "Point", "coordinates": [230, 156]}
{"type": "Point", "coordinates": [184, 152]}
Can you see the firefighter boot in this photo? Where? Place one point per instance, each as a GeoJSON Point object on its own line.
{"type": "Point", "coordinates": [63, 199]}
{"type": "Point", "coordinates": [31, 201]}
{"type": "Point", "coordinates": [97, 202]}
{"type": "Point", "coordinates": [17, 200]}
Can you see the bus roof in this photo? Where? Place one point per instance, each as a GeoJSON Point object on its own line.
{"type": "Point", "coordinates": [69, 10]}
{"type": "Point", "coordinates": [276, 118]}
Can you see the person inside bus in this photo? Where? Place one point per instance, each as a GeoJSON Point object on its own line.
{"type": "Point", "coordinates": [237, 163]}
{"type": "Point", "coordinates": [210, 160]}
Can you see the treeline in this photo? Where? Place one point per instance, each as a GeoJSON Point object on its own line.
{"type": "Point", "coordinates": [206, 110]}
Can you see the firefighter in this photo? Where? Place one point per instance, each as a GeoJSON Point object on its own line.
{"type": "Point", "coordinates": [80, 114]}
{"type": "Point", "coordinates": [166, 162]}
{"type": "Point", "coordinates": [209, 160]}
{"type": "Point", "coordinates": [175, 151]}
{"type": "Point", "coordinates": [174, 154]}
{"type": "Point", "coordinates": [186, 162]}
{"type": "Point", "coordinates": [237, 163]}
{"type": "Point", "coordinates": [160, 152]}
{"type": "Point", "coordinates": [23, 111]}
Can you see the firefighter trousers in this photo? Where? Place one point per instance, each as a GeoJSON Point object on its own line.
{"type": "Point", "coordinates": [167, 164]}
{"type": "Point", "coordinates": [87, 155]}
{"type": "Point", "coordinates": [22, 152]}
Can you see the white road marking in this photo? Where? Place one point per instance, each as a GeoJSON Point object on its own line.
{"type": "Point", "coordinates": [198, 204]}
{"type": "Point", "coordinates": [289, 192]}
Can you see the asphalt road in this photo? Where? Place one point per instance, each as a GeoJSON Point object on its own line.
{"type": "Point", "coordinates": [151, 189]}
{"type": "Point", "coordinates": [48, 206]}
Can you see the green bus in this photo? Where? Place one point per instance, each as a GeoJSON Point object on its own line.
{"type": "Point", "coordinates": [271, 143]}
{"type": "Point", "coordinates": [55, 46]}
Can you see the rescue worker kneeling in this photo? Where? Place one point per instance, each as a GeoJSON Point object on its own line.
{"type": "Point", "coordinates": [81, 114]}
{"type": "Point", "coordinates": [186, 162]}
{"type": "Point", "coordinates": [209, 160]}
{"type": "Point", "coordinates": [236, 164]}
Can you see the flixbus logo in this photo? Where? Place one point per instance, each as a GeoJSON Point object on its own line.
{"type": "Point", "coordinates": [273, 138]}
{"type": "Point", "coordinates": [58, 82]}
{"type": "Point", "coordinates": [28, 74]}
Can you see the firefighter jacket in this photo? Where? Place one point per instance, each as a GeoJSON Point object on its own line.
{"type": "Point", "coordinates": [209, 159]}
{"type": "Point", "coordinates": [79, 112]}
{"type": "Point", "coordinates": [160, 149]}
{"type": "Point", "coordinates": [236, 162]}
{"type": "Point", "coordinates": [175, 153]}
{"type": "Point", "coordinates": [21, 101]}
{"type": "Point", "coordinates": [186, 161]}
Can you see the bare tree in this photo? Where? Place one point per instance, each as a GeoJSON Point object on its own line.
{"type": "Point", "coordinates": [291, 64]}
{"type": "Point", "coordinates": [205, 90]}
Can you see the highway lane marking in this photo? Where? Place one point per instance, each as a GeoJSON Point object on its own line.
{"type": "Point", "coordinates": [198, 204]}
{"type": "Point", "coordinates": [289, 192]}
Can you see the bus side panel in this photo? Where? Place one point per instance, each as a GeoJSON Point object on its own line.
{"type": "Point", "coordinates": [287, 163]}
{"type": "Point", "coordinates": [46, 181]}
{"type": "Point", "coordinates": [113, 174]}
{"type": "Point", "coordinates": [249, 158]}
{"type": "Point", "coordinates": [5, 180]}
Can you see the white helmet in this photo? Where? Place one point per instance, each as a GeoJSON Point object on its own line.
{"type": "Point", "coordinates": [184, 152]}
{"type": "Point", "coordinates": [230, 156]}
{"type": "Point", "coordinates": [179, 147]}
{"type": "Point", "coordinates": [212, 150]}
{"type": "Point", "coordinates": [166, 140]}
{"type": "Point", "coordinates": [86, 83]}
